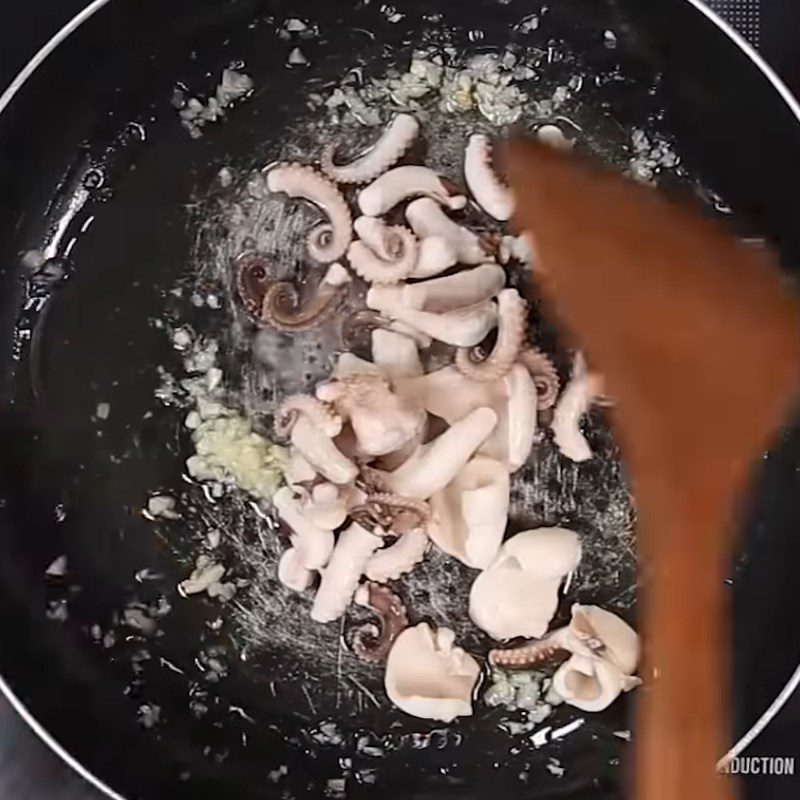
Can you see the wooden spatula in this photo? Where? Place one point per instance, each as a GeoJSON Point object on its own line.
{"type": "Point", "coordinates": [699, 344]}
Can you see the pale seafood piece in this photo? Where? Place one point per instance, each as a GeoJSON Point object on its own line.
{"type": "Point", "coordinates": [469, 516]}
{"type": "Point", "coordinates": [552, 135]}
{"type": "Point", "coordinates": [384, 253]}
{"type": "Point", "coordinates": [372, 319]}
{"type": "Point", "coordinates": [394, 561]}
{"type": "Point", "coordinates": [512, 330]}
{"type": "Point", "coordinates": [441, 294]}
{"type": "Point", "coordinates": [435, 254]}
{"type": "Point", "coordinates": [321, 415]}
{"type": "Point", "coordinates": [393, 142]}
{"type": "Point", "coordinates": [381, 420]}
{"type": "Point", "coordinates": [592, 632]}
{"type": "Point", "coordinates": [383, 239]}
{"type": "Point", "coordinates": [400, 183]}
{"type": "Point", "coordinates": [348, 364]}
{"type": "Point", "coordinates": [516, 247]}
{"type": "Point", "coordinates": [396, 355]}
{"type": "Point", "coordinates": [489, 192]}
{"type": "Point", "coordinates": [297, 469]}
{"type": "Point", "coordinates": [591, 684]}
{"type": "Point", "coordinates": [595, 632]}
{"type": "Point", "coordinates": [449, 394]}
{"type": "Point", "coordinates": [392, 461]}
{"type": "Point", "coordinates": [337, 275]}
{"type": "Point", "coordinates": [462, 327]}
{"type": "Point", "coordinates": [328, 241]}
{"type": "Point", "coordinates": [517, 595]}
{"type": "Point", "coordinates": [292, 573]}
{"type": "Point", "coordinates": [544, 374]}
{"type": "Point", "coordinates": [320, 451]}
{"type": "Point", "coordinates": [605, 654]}
{"type": "Point", "coordinates": [512, 440]}
{"type": "Point", "coordinates": [313, 544]}
{"type": "Point", "coordinates": [438, 462]}
{"type": "Point", "coordinates": [427, 219]}
{"type": "Point", "coordinates": [327, 504]}
{"type": "Point", "coordinates": [574, 402]}
{"type": "Point", "coordinates": [345, 568]}
{"type": "Point", "coordinates": [427, 676]}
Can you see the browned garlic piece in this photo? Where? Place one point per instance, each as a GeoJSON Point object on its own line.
{"type": "Point", "coordinates": [428, 676]}
{"type": "Point", "coordinates": [517, 595]}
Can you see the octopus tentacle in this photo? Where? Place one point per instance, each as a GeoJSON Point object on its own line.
{"type": "Point", "coordinates": [575, 401]}
{"type": "Point", "coordinates": [329, 241]}
{"type": "Point", "coordinates": [281, 308]}
{"type": "Point", "coordinates": [366, 320]}
{"type": "Point", "coordinates": [394, 561]}
{"type": "Point", "coordinates": [427, 219]}
{"type": "Point", "coordinates": [510, 337]}
{"type": "Point", "coordinates": [387, 509]}
{"type": "Point", "coordinates": [389, 242]}
{"type": "Point", "coordinates": [372, 643]}
{"type": "Point", "coordinates": [253, 278]}
{"type": "Point", "coordinates": [490, 194]}
{"type": "Point", "coordinates": [344, 570]}
{"type": "Point", "coordinates": [382, 421]}
{"type": "Point", "coordinates": [384, 254]}
{"type": "Point", "coordinates": [528, 655]}
{"type": "Point", "coordinates": [387, 150]}
{"type": "Point", "coordinates": [321, 414]}
{"type": "Point", "coordinates": [544, 374]}
{"type": "Point", "coordinates": [400, 183]}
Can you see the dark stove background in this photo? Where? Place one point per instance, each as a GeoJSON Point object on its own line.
{"type": "Point", "coordinates": [28, 770]}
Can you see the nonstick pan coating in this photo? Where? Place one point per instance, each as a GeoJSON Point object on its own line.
{"type": "Point", "coordinates": [98, 117]}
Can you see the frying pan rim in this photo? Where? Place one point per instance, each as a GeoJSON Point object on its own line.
{"type": "Point", "coordinates": [18, 83]}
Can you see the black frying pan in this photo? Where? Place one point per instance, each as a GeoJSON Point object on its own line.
{"type": "Point", "coordinates": [97, 121]}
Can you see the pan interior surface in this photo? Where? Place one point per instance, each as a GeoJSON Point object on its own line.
{"type": "Point", "coordinates": [119, 235]}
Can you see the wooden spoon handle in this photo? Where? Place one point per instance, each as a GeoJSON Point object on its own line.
{"type": "Point", "coordinates": [698, 342]}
